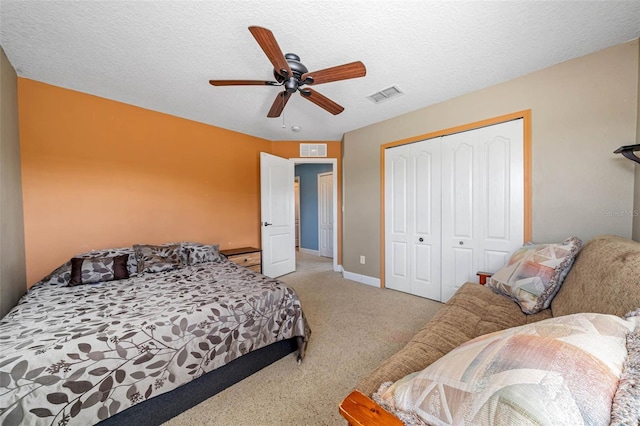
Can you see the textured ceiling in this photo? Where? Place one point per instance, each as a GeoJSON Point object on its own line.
{"type": "Point", "coordinates": [160, 54]}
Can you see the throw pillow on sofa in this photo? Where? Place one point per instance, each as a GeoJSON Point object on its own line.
{"type": "Point", "coordinates": [563, 370]}
{"type": "Point", "coordinates": [534, 273]}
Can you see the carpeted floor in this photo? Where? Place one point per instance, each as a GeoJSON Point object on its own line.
{"type": "Point", "coordinates": [354, 328]}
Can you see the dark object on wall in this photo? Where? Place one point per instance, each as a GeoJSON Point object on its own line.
{"type": "Point", "coordinates": [290, 73]}
{"type": "Point", "coordinates": [628, 151]}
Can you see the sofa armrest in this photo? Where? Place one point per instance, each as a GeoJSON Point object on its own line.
{"type": "Point", "coordinates": [359, 410]}
{"type": "Point", "coordinates": [482, 277]}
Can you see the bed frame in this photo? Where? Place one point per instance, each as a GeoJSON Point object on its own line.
{"type": "Point", "coordinates": [164, 407]}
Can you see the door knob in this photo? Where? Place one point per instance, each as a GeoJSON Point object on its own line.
{"type": "Point", "coordinates": [421, 239]}
{"type": "Point", "coordinates": [461, 243]}
{"type": "Point", "coordinates": [267, 224]}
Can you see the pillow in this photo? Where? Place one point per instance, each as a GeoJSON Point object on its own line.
{"type": "Point", "coordinates": [625, 409]}
{"type": "Point", "coordinates": [98, 269]}
{"type": "Point", "coordinates": [62, 274]}
{"type": "Point", "coordinates": [562, 370]}
{"type": "Point", "coordinates": [534, 274]}
{"type": "Point", "coordinates": [132, 265]}
{"type": "Point", "coordinates": [202, 253]}
{"type": "Point", "coordinates": [161, 258]}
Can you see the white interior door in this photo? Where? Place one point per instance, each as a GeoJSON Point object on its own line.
{"type": "Point", "coordinates": [483, 193]}
{"type": "Point", "coordinates": [412, 218]}
{"type": "Point", "coordinates": [325, 214]}
{"type": "Point", "coordinates": [396, 218]}
{"type": "Point", "coordinates": [425, 247]}
{"type": "Point", "coordinates": [277, 202]}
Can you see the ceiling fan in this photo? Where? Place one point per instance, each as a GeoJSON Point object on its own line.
{"type": "Point", "coordinates": [290, 73]}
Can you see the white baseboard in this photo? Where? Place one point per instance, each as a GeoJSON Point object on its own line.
{"type": "Point", "coordinates": [309, 251]}
{"type": "Point", "coordinates": [337, 268]}
{"type": "Point", "coordinates": [374, 282]}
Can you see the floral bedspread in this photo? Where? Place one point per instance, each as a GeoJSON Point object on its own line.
{"type": "Point", "coordinates": [77, 355]}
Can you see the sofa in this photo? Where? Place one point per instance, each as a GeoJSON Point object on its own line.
{"type": "Point", "coordinates": [604, 278]}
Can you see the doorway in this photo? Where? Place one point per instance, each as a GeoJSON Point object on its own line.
{"type": "Point", "coordinates": [322, 165]}
{"type": "Point", "coordinates": [277, 177]}
{"type": "Point", "coordinates": [315, 218]}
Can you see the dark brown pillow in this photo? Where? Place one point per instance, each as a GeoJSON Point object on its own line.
{"type": "Point", "coordinates": [98, 269]}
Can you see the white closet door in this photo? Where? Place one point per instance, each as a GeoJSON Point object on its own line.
{"type": "Point", "coordinates": [460, 207]}
{"type": "Point", "coordinates": [397, 224]}
{"type": "Point", "coordinates": [412, 218]}
{"type": "Point", "coordinates": [483, 201]}
{"type": "Point", "coordinates": [503, 193]}
{"type": "Point", "coordinates": [425, 217]}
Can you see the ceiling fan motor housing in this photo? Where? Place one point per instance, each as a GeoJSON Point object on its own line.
{"type": "Point", "coordinates": [291, 83]}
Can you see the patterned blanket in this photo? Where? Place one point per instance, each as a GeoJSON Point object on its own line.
{"type": "Point", "coordinates": [77, 355]}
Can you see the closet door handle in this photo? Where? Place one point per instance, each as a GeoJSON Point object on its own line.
{"type": "Point", "coordinates": [421, 239]}
{"type": "Point", "coordinates": [267, 224]}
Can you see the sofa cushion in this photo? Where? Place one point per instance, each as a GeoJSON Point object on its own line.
{"type": "Point", "coordinates": [534, 273]}
{"type": "Point", "coordinates": [473, 310]}
{"type": "Point", "coordinates": [603, 279]}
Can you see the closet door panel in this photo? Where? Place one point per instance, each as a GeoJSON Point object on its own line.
{"type": "Point", "coordinates": [425, 280]}
{"type": "Point", "coordinates": [423, 268]}
{"type": "Point", "coordinates": [502, 182]}
{"type": "Point", "coordinates": [397, 221]}
{"type": "Point", "coordinates": [399, 261]}
{"type": "Point", "coordinates": [462, 169]}
{"type": "Point", "coordinates": [493, 260]}
{"type": "Point", "coordinates": [461, 215]}
{"type": "Point", "coordinates": [463, 266]}
{"type": "Point", "coordinates": [497, 189]}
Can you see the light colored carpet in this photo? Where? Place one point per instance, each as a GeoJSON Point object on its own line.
{"type": "Point", "coordinates": [354, 327]}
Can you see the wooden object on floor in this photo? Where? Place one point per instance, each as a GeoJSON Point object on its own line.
{"type": "Point", "coordinates": [359, 410]}
{"type": "Point", "coordinates": [249, 257]}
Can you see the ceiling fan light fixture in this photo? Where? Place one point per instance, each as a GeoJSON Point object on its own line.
{"type": "Point", "coordinates": [291, 85]}
{"type": "Point", "coordinates": [385, 94]}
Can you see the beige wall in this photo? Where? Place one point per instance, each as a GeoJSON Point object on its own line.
{"type": "Point", "coordinates": [12, 260]}
{"type": "Point", "coordinates": [582, 110]}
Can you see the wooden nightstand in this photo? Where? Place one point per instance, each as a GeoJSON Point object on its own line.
{"type": "Point", "coordinates": [249, 257]}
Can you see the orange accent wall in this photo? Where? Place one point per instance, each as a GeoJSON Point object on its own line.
{"type": "Point", "coordinates": [98, 173]}
{"type": "Point", "coordinates": [290, 149]}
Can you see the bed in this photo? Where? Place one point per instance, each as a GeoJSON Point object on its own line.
{"type": "Point", "coordinates": [134, 324]}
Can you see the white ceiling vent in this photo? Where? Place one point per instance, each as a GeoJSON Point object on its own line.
{"type": "Point", "coordinates": [385, 94]}
{"type": "Point", "coordinates": [313, 150]}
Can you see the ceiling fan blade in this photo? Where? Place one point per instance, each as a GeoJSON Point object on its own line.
{"type": "Point", "coordinates": [278, 104]}
{"type": "Point", "coordinates": [340, 72]}
{"type": "Point", "coordinates": [243, 83]}
{"type": "Point", "coordinates": [269, 45]}
{"type": "Point", "coordinates": [322, 101]}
